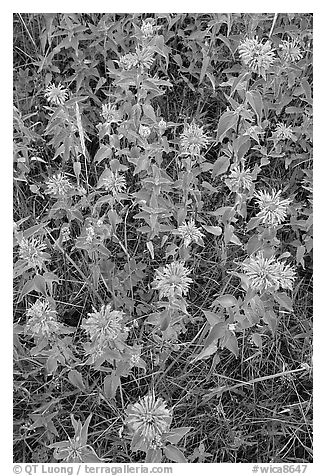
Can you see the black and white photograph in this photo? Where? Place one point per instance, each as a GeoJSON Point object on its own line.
{"type": "Point", "coordinates": [162, 241]}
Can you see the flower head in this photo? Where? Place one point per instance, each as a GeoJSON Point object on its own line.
{"type": "Point", "coordinates": [111, 114]}
{"type": "Point", "coordinates": [162, 126]}
{"type": "Point", "coordinates": [58, 185]}
{"type": "Point", "coordinates": [273, 209]}
{"type": "Point", "coordinates": [239, 180]}
{"type": "Point", "coordinates": [65, 233]}
{"type": "Point", "coordinates": [290, 51]}
{"type": "Point", "coordinates": [143, 57]}
{"type": "Point", "coordinates": [90, 233]}
{"type": "Point", "coordinates": [148, 419]}
{"type": "Point", "coordinates": [42, 319]}
{"type": "Point", "coordinates": [283, 132]}
{"type": "Point", "coordinates": [190, 233]}
{"type": "Point", "coordinates": [258, 56]}
{"type": "Point", "coordinates": [112, 182]}
{"type": "Point", "coordinates": [31, 250]}
{"type": "Point", "coordinates": [56, 95]}
{"type": "Point", "coordinates": [172, 280]}
{"type": "Point", "coordinates": [193, 139]}
{"type": "Point", "coordinates": [268, 274]}
{"type": "Point", "coordinates": [144, 131]}
{"type": "Point", "coordinates": [105, 326]}
{"type": "Point", "coordinates": [147, 27]}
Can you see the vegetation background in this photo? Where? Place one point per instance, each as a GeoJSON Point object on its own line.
{"type": "Point", "coordinates": [243, 392]}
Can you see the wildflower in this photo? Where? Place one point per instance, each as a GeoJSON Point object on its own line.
{"type": "Point", "coordinates": [56, 94]}
{"type": "Point", "coordinates": [172, 280]}
{"type": "Point", "coordinates": [128, 61]}
{"type": "Point", "coordinates": [232, 327]}
{"type": "Point", "coordinates": [111, 114]}
{"type": "Point", "coordinates": [254, 132]}
{"type": "Point", "coordinates": [143, 57]}
{"type": "Point", "coordinates": [65, 233]}
{"type": "Point", "coordinates": [135, 355]}
{"type": "Point", "coordinates": [76, 449]}
{"type": "Point", "coordinates": [190, 233]}
{"type": "Point", "coordinates": [290, 51]}
{"type": "Point", "coordinates": [258, 56]}
{"type": "Point", "coordinates": [144, 131]}
{"type": "Point", "coordinates": [105, 326]}
{"type": "Point", "coordinates": [268, 274]}
{"type": "Point", "coordinates": [31, 251]}
{"type": "Point", "coordinates": [42, 319]}
{"type": "Point", "coordinates": [239, 180]}
{"type": "Point", "coordinates": [283, 132]}
{"type": "Point", "coordinates": [58, 185]}
{"type": "Point", "coordinates": [90, 233]}
{"type": "Point", "coordinates": [273, 209]}
{"type": "Point", "coordinates": [162, 126]}
{"type": "Point", "coordinates": [147, 28]}
{"type": "Point", "coordinates": [148, 419]}
{"type": "Point", "coordinates": [113, 182]}
{"type": "Point", "coordinates": [193, 139]}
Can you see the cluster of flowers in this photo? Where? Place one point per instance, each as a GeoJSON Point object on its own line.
{"type": "Point", "coordinates": [260, 57]}
{"type": "Point", "coordinates": [268, 274]}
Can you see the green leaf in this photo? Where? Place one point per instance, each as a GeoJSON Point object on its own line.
{"type": "Point", "coordinates": [284, 301]}
{"type": "Point", "coordinates": [149, 112]}
{"type": "Point", "coordinates": [257, 340]}
{"type": "Point", "coordinates": [214, 230]}
{"type": "Point", "coordinates": [175, 435]}
{"type": "Point", "coordinates": [221, 166]}
{"type": "Point", "coordinates": [213, 318]}
{"type": "Point", "coordinates": [207, 352]}
{"type": "Point", "coordinates": [227, 300]}
{"type": "Point", "coordinates": [76, 379]}
{"type": "Point", "coordinates": [104, 152]}
{"type": "Point", "coordinates": [174, 454]}
{"type": "Point", "coordinates": [227, 121]}
{"type": "Point", "coordinates": [270, 319]}
{"type": "Point", "coordinates": [216, 333]}
{"type": "Point", "coordinates": [232, 345]}
{"type": "Point", "coordinates": [255, 100]}
{"type": "Point", "coordinates": [205, 64]}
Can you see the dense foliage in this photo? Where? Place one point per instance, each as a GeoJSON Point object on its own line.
{"type": "Point", "coordinates": [162, 237]}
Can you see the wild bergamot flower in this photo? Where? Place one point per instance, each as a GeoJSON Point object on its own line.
{"type": "Point", "coordinates": [58, 185]}
{"type": "Point", "coordinates": [172, 280]}
{"type": "Point", "coordinates": [144, 131]}
{"type": "Point", "coordinates": [273, 209]}
{"type": "Point", "coordinates": [143, 57]}
{"type": "Point", "coordinates": [148, 419]}
{"type": "Point", "coordinates": [258, 56]}
{"type": "Point", "coordinates": [31, 250]}
{"type": "Point", "coordinates": [147, 27]}
{"type": "Point", "coordinates": [57, 95]}
{"type": "Point", "coordinates": [110, 114]}
{"type": "Point", "coordinates": [193, 139]}
{"type": "Point", "coordinates": [283, 132]}
{"type": "Point", "coordinates": [113, 182]}
{"type": "Point", "coordinates": [268, 274]}
{"type": "Point", "coordinates": [105, 326]}
{"type": "Point", "coordinates": [239, 180]}
{"type": "Point", "coordinates": [42, 319]}
{"type": "Point", "coordinates": [290, 51]}
{"type": "Point", "coordinates": [190, 233]}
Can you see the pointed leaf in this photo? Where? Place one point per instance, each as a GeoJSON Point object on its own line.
{"type": "Point", "coordinates": [174, 454]}
{"type": "Point", "coordinates": [76, 379]}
